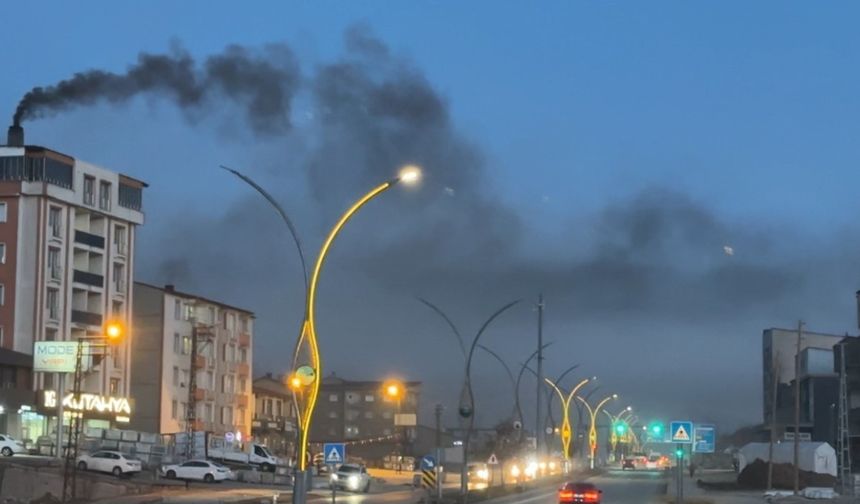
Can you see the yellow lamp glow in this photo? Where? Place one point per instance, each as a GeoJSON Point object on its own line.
{"type": "Point", "coordinates": [410, 174]}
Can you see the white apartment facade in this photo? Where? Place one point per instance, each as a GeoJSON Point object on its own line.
{"type": "Point", "coordinates": [67, 237]}
{"type": "Point", "coordinates": [165, 321]}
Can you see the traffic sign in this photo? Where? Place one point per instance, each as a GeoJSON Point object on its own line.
{"type": "Point", "coordinates": [428, 462]}
{"type": "Point", "coordinates": [492, 460]}
{"type": "Point", "coordinates": [334, 453]}
{"type": "Point", "coordinates": [705, 439]}
{"type": "Point", "coordinates": [681, 432]}
{"type": "Point", "coordinates": [229, 437]}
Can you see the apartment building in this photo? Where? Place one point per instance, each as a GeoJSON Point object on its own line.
{"type": "Point", "coordinates": [274, 422]}
{"type": "Point", "coordinates": [170, 373]}
{"type": "Point", "coordinates": [362, 414]}
{"type": "Point", "coordinates": [67, 238]}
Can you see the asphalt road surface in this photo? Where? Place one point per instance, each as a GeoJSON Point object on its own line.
{"type": "Point", "coordinates": [628, 487]}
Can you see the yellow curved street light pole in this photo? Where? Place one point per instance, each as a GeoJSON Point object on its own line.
{"type": "Point", "coordinates": [407, 175]}
{"type": "Point", "coordinates": [592, 431]}
{"type": "Point", "coordinates": [614, 422]}
{"type": "Point", "coordinates": [565, 405]}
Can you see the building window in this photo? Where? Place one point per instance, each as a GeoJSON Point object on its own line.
{"type": "Point", "coordinates": [177, 309]}
{"type": "Point", "coordinates": [207, 409]}
{"type": "Point", "coordinates": [50, 335]}
{"type": "Point", "coordinates": [2, 253]}
{"type": "Point", "coordinates": [89, 190]}
{"type": "Point", "coordinates": [210, 380]}
{"type": "Point", "coordinates": [189, 311]}
{"type": "Point", "coordinates": [173, 408]}
{"type": "Point", "coordinates": [332, 414]}
{"type": "Point", "coordinates": [386, 414]}
{"type": "Point", "coordinates": [2, 212]}
{"type": "Point", "coordinates": [186, 345]}
{"type": "Point", "coordinates": [224, 352]}
{"type": "Point", "coordinates": [114, 386]}
{"type": "Point", "coordinates": [177, 346]}
{"type": "Point", "coordinates": [332, 397]}
{"type": "Point", "coordinates": [369, 398]}
{"type": "Point", "coordinates": [54, 221]}
{"type": "Point", "coordinates": [116, 309]}
{"type": "Point", "coordinates": [119, 240]}
{"type": "Point", "coordinates": [2, 294]}
{"type": "Point", "coordinates": [243, 383]}
{"type": "Point", "coordinates": [224, 384]}
{"type": "Point", "coordinates": [280, 409]}
{"type": "Point", "coordinates": [1, 337]}
{"type": "Point", "coordinates": [104, 195]}
{"type": "Point", "coordinates": [54, 268]}
{"type": "Point", "coordinates": [185, 380]}
{"type": "Point", "coordinates": [119, 277]}
{"type": "Point", "coordinates": [232, 353]}
{"type": "Point", "coordinates": [175, 376]}
{"type": "Point", "coordinates": [211, 311]}
{"type": "Point", "coordinates": [231, 321]}
{"type": "Point", "coordinates": [221, 414]}
{"type": "Point", "coordinates": [243, 355]}
{"type": "Point", "coordinates": [52, 301]}
{"type": "Point", "coordinates": [244, 324]}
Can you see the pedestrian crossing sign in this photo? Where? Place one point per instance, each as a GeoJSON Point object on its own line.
{"type": "Point", "coordinates": [334, 453]}
{"type": "Point", "coordinates": [681, 432]}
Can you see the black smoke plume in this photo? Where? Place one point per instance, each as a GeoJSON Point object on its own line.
{"type": "Point", "coordinates": [261, 82]}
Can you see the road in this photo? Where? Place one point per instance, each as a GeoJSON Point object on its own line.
{"type": "Point", "coordinates": [630, 487]}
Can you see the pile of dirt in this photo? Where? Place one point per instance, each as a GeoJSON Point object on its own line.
{"type": "Point", "coordinates": [754, 477]}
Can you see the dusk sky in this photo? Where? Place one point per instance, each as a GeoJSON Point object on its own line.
{"type": "Point", "coordinates": [603, 153]}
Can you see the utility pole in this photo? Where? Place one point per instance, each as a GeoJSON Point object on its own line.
{"type": "Point", "coordinates": [797, 409]}
{"type": "Point", "coordinates": [191, 409]}
{"type": "Point", "coordinates": [844, 439]}
{"type": "Point", "coordinates": [539, 438]}
{"type": "Point", "coordinates": [438, 453]}
{"type": "Point", "coordinates": [774, 370]}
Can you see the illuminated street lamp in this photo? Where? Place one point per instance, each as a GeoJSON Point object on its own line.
{"type": "Point", "coordinates": [565, 408]}
{"type": "Point", "coordinates": [592, 431]}
{"type": "Point", "coordinates": [308, 337]}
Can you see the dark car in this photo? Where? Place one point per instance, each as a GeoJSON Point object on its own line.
{"type": "Point", "coordinates": [579, 492]}
{"type": "Point", "coordinates": [628, 464]}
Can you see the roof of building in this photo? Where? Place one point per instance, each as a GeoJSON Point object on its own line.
{"type": "Point", "coordinates": [39, 148]}
{"type": "Point", "coordinates": [334, 380]}
{"type": "Point", "coordinates": [170, 289]}
{"type": "Point", "coordinates": [269, 385]}
{"type": "Point", "coordinates": [15, 359]}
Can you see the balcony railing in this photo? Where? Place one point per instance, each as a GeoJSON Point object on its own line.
{"type": "Point", "coordinates": [244, 339]}
{"type": "Point", "coordinates": [199, 362]}
{"type": "Point", "coordinates": [242, 369]}
{"type": "Point", "coordinates": [87, 318]}
{"type": "Point", "coordinates": [199, 394]}
{"type": "Point", "coordinates": [242, 401]}
{"type": "Point", "coordinates": [90, 239]}
{"type": "Point", "coordinates": [87, 278]}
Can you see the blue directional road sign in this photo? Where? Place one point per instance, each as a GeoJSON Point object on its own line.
{"type": "Point", "coordinates": [428, 462]}
{"type": "Point", "coordinates": [681, 432]}
{"type": "Point", "coordinates": [334, 453]}
{"type": "Point", "coordinates": [704, 439]}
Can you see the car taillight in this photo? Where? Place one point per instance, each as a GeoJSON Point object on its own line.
{"type": "Point", "coordinates": [592, 496]}
{"type": "Point", "coordinates": [565, 494]}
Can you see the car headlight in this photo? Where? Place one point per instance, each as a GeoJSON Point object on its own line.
{"type": "Point", "coordinates": [515, 471]}
{"type": "Point", "coordinates": [354, 481]}
{"type": "Point", "coordinates": [334, 476]}
{"type": "Point", "coordinates": [483, 474]}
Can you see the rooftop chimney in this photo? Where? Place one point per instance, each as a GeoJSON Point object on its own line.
{"type": "Point", "coordinates": [15, 137]}
{"type": "Point", "coordinates": [169, 287]}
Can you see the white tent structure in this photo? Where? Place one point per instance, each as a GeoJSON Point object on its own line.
{"type": "Point", "coordinates": [813, 457]}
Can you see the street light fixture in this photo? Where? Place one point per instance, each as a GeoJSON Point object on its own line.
{"type": "Point", "coordinates": [565, 403]}
{"type": "Point", "coordinates": [307, 336]}
{"type": "Point", "coordinates": [592, 431]}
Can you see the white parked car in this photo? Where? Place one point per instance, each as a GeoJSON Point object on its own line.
{"type": "Point", "coordinates": [10, 446]}
{"type": "Point", "coordinates": [109, 461]}
{"type": "Point", "coordinates": [352, 477]}
{"type": "Point", "coordinates": [199, 469]}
